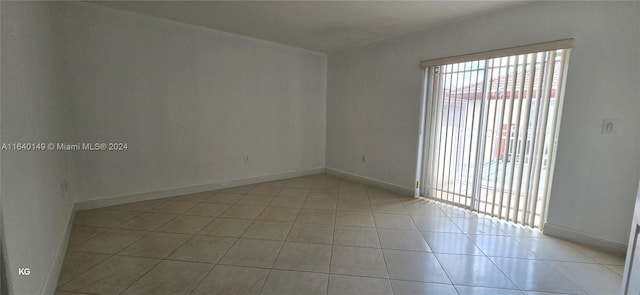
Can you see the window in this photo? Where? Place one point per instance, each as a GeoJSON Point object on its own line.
{"type": "Point", "coordinates": [476, 108]}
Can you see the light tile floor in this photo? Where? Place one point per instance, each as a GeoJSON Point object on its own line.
{"type": "Point", "coordinates": [319, 235]}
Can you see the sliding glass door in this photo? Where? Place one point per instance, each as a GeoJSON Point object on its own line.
{"type": "Point", "coordinates": [490, 131]}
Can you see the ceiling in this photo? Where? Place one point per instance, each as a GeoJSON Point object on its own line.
{"type": "Point", "coordinates": [323, 26]}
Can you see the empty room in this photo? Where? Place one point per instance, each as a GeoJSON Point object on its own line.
{"type": "Point", "coordinates": [319, 147]}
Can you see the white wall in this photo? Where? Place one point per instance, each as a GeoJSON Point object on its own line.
{"type": "Point", "coordinates": [34, 104]}
{"type": "Point", "coordinates": [189, 101]}
{"type": "Point", "coordinates": [373, 104]}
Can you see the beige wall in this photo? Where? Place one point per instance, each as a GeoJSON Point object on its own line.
{"type": "Point", "coordinates": [35, 100]}
{"type": "Point", "coordinates": [189, 101]}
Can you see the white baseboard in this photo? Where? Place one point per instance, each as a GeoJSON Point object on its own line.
{"type": "Point", "coordinates": [372, 182]}
{"type": "Point", "coordinates": [122, 199]}
{"type": "Point", "coordinates": [579, 237]}
{"type": "Point", "coordinates": [51, 281]}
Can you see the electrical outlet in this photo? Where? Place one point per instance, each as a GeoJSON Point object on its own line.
{"type": "Point", "coordinates": [64, 188]}
{"type": "Point", "coordinates": [246, 158]}
{"type": "Point", "coordinates": [609, 126]}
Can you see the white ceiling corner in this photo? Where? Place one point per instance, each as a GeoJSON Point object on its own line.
{"type": "Point", "coordinates": [323, 26]}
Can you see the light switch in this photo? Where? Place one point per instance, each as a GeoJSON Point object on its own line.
{"type": "Point", "coordinates": [609, 126]}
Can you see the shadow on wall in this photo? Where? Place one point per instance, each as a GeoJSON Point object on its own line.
{"type": "Point", "coordinates": [4, 279]}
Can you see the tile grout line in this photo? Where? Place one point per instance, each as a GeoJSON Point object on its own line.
{"type": "Point", "coordinates": [466, 234]}
{"type": "Point", "coordinates": [136, 214]}
{"type": "Point", "coordinates": [148, 210]}
{"type": "Point", "coordinates": [161, 259]}
{"type": "Point", "coordinates": [433, 253]}
{"type": "Point", "coordinates": [176, 216]}
{"type": "Point", "coordinates": [225, 253]}
{"type": "Point", "coordinates": [333, 237]}
{"type": "Point", "coordinates": [195, 286]}
{"type": "Point", "coordinates": [108, 228]}
{"type": "Point", "coordinates": [568, 279]}
{"type": "Point", "coordinates": [283, 242]}
{"type": "Point", "coordinates": [494, 263]}
{"type": "Point", "coordinates": [142, 237]}
{"type": "Point", "coordinates": [384, 258]}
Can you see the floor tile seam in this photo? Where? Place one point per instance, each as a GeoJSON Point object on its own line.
{"type": "Point", "coordinates": [333, 238]}
{"type": "Point", "coordinates": [69, 247]}
{"type": "Point", "coordinates": [281, 246]}
{"type": "Point", "coordinates": [243, 265]}
{"type": "Point", "coordinates": [125, 220]}
{"type": "Point", "coordinates": [124, 247]}
{"type": "Point", "coordinates": [159, 230]}
{"type": "Point", "coordinates": [332, 244]}
{"type": "Point", "coordinates": [334, 232]}
{"type": "Point", "coordinates": [139, 213]}
{"type": "Point", "coordinates": [155, 229]}
{"type": "Point", "coordinates": [467, 235]}
{"type": "Point", "coordinates": [504, 273]}
{"type": "Point", "coordinates": [361, 211]}
{"type": "Point", "coordinates": [609, 268]}
{"type": "Point", "coordinates": [104, 253]}
{"type": "Point", "coordinates": [297, 270]}
{"type": "Point", "coordinates": [478, 246]}
{"type": "Point", "coordinates": [187, 215]}
{"type": "Point", "coordinates": [511, 257]}
{"type": "Point", "coordinates": [412, 251]}
{"type": "Point", "coordinates": [400, 280]}
{"type": "Point", "coordinates": [190, 238]}
{"type": "Point", "coordinates": [359, 226]}
{"type": "Point", "coordinates": [195, 286]}
{"type": "Point", "coordinates": [485, 234]}
{"type": "Point", "coordinates": [265, 239]}
{"type": "Point", "coordinates": [419, 231]}
{"type": "Point", "coordinates": [396, 228]}
{"type": "Point", "coordinates": [87, 270]}
{"type": "Point", "coordinates": [580, 249]}
{"type": "Point", "coordinates": [576, 262]}
{"type": "Point", "coordinates": [83, 293]}
{"type": "Point", "coordinates": [399, 214]}
{"type": "Point", "coordinates": [457, 253]}
{"type": "Point", "coordinates": [446, 273]}
{"type": "Point", "coordinates": [547, 264]}
{"type": "Point", "coordinates": [361, 276]}
{"type": "Point", "coordinates": [604, 263]}
{"type": "Point", "coordinates": [140, 256]}
{"type": "Point", "coordinates": [609, 264]}
{"type": "Point", "coordinates": [216, 264]}
{"type": "Point", "coordinates": [233, 244]}
{"type": "Point", "coordinates": [541, 258]}
{"type": "Point", "coordinates": [414, 281]}
{"type": "Point", "coordinates": [88, 252]}
{"type": "Point", "coordinates": [438, 231]}
{"type": "Point", "coordinates": [384, 258]}
{"type": "Point", "coordinates": [548, 260]}
{"type": "Point", "coordinates": [553, 292]}
{"type": "Point", "coordinates": [178, 260]}
{"type": "Point", "coordinates": [358, 212]}
{"type": "Point", "coordinates": [455, 224]}
{"type": "Point", "coordinates": [499, 288]}
{"type": "Point", "coordinates": [141, 276]}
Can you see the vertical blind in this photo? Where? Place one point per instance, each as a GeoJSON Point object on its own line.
{"type": "Point", "coordinates": [489, 132]}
